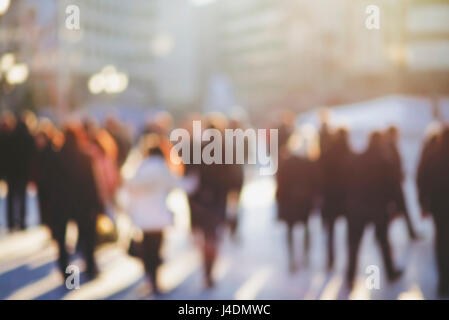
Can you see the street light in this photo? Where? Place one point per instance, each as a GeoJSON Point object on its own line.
{"type": "Point", "coordinates": [7, 61]}
{"type": "Point", "coordinates": [96, 83]}
{"type": "Point", "coordinates": [162, 45]}
{"type": "Point", "coordinates": [201, 3]}
{"type": "Point", "coordinates": [4, 6]}
{"type": "Point", "coordinates": [17, 74]}
{"type": "Point", "coordinates": [109, 80]}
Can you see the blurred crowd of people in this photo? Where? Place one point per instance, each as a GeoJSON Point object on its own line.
{"type": "Point", "coordinates": [76, 169]}
{"type": "Point", "coordinates": [323, 172]}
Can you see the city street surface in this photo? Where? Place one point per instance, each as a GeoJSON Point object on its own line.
{"type": "Point", "coordinates": [253, 267]}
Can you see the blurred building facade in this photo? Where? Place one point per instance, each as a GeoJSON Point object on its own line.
{"type": "Point", "coordinates": [258, 54]}
{"type": "Point", "coordinates": [301, 53]}
{"type": "Point", "coordinates": [112, 32]}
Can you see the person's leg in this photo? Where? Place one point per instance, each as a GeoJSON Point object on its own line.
{"type": "Point", "coordinates": [445, 274]}
{"type": "Point", "coordinates": [355, 234]}
{"type": "Point", "coordinates": [330, 243]}
{"type": "Point", "coordinates": [21, 204]}
{"type": "Point", "coordinates": [11, 206]}
{"type": "Point", "coordinates": [59, 233]}
{"type": "Point", "coordinates": [291, 247]}
{"type": "Point", "coordinates": [87, 242]}
{"type": "Point", "coordinates": [152, 260]}
{"type": "Point", "coordinates": [382, 237]}
{"type": "Point", "coordinates": [441, 248]}
{"type": "Point", "coordinates": [306, 239]}
{"type": "Point", "coordinates": [233, 212]}
{"type": "Point", "coordinates": [210, 254]}
{"type": "Point", "coordinates": [403, 207]}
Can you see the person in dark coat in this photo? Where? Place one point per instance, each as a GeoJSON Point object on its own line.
{"type": "Point", "coordinates": [297, 189]}
{"type": "Point", "coordinates": [21, 150]}
{"type": "Point", "coordinates": [122, 138]}
{"type": "Point", "coordinates": [208, 209]}
{"type": "Point", "coordinates": [3, 147]}
{"type": "Point", "coordinates": [44, 175]}
{"type": "Point", "coordinates": [75, 198]}
{"type": "Point", "coordinates": [7, 124]}
{"type": "Point", "coordinates": [398, 206]}
{"type": "Point", "coordinates": [433, 186]}
{"type": "Point", "coordinates": [425, 172]}
{"type": "Point", "coordinates": [334, 164]}
{"type": "Point", "coordinates": [208, 203]}
{"type": "Point", "coordinates": [370, 187]}
{"type": "Point", "coordinates": [236, 180]}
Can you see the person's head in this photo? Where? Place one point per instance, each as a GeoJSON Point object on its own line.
{"type": "Point", "coordinates": [287, 118]}
{"type": "Point", "coordinates": [392, 133]}
{"type": "Point", "coordinates": [112, 123]}
{"type": "Point", "coordinates": [30, 119]}
{"type": "Point", "coordinates": [7, 121]}
{"type": "Point", "coordinates": [325, 115]}
{"type": "Point", "coordinates": [433, 130]}
{"type": "Point", "coordinates": [305, 142]}
{"type": "Point", "coordinates": [44, 133]}
{"type": "Point", "coordinates": [445, 136]}
{"type": "Point", "coordinates": [91, 127]}
{"type": "Point", "coordinates": [152, 146]}
{"type": "Point", "coordinates": [106, 143]}
{"type": "Point", "coordinates": [342, 134]}
{"type": "Point", "coordinates": [41, 140]}
{"type": "Point", "coordinates": [217, 120]}
{"type": "Point", "coordinates": [164, 121]}
{"type": "Point", "coordinates": [74, 134]}
{"type": "Point", "coordinates": [375, 140]}
{"type": "Point", "coordinates": [47, 127]}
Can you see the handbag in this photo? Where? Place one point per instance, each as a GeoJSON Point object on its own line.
{"type": "Point", "coordinates": [106, 230]}
{"type": "Point", "coordinates": [136, 247]}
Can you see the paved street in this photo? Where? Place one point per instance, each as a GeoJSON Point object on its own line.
{"type": "Point", "coordinates": [255, 267]}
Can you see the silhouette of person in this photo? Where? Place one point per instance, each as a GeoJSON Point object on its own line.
{"type": "Point", "coordinates": [399, 205]}
{"type": "Point", "coordinates": [122, 138]}
{"type": "Point", "coordinates": [208, 204]}
{"type": "Point", "coordinates": [75, 198]}
{"type": "Point", "coordinates": [370, 188]}
{"type": "Point", "coordinates": [7, 125]}
{"type": "Point", "coordinates": [334, 163]}
{"type": "Point", "coordinates": [44, 163]}
{"type": "Point", "coordinates": [297, 181]}
{"type": "Point", "coordinates": [20, 153]}
{"type": "Point", "coordinates": [149, 190]}
{"type": "Point", "coordinates": [433, 187]}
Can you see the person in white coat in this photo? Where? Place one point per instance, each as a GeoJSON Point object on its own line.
{"type": "Point", "coordinates": [148, 192]}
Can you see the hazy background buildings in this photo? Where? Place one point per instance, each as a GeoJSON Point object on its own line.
{"type": "Point", "coordinates": [227, 55]}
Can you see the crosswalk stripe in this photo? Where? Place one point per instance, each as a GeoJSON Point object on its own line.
{"type": "Point", "coordinates": [174, 272]}
{"type": "Point", "coordinates": [16, 263]}
{"type": "Point", "coordinates": [360, 291]}
{"type": "Point", "coordinates": [118, 276]}
{"type": "Point", "coordinates": [250, 289]}
{"type": "Point", "coordinates": [413, 294]}
{"type": "Point", "coordinates": [317, 282]}
{"type": "Point", "coordinates": [23, 243]}
{"type": "Point", "coordinates": [222, 266]}
{"type": "Point", "coordinates": [38, 288]}
{"type": "Point", "coordinates": [330, 292]}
